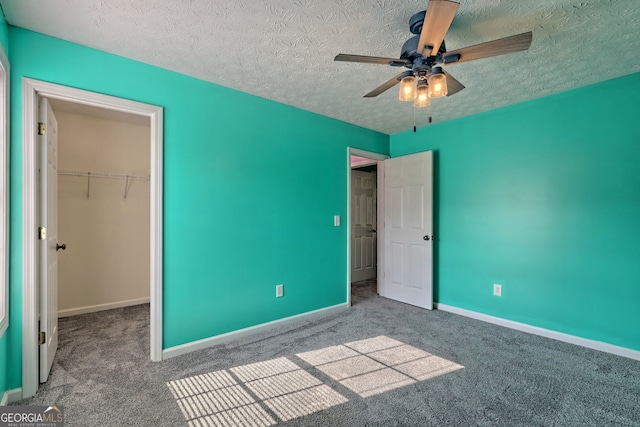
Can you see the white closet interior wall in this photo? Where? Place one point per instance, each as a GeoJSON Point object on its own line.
{"type": "Point", "coordinates": [106, 263]}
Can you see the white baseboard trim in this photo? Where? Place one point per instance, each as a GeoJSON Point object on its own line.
{"type": "Point", "coordinates": [101, 307]}
{"type": "Point", "coordinates": [230, 336]}
{"type": "Point", "coordinates": [548, 333]}
{"type": "Point", "coordinates": [11, 396]}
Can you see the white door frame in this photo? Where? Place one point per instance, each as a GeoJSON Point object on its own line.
{"type": "Point", "coordinates": [376, 159]}
{"type": "Point", "coordinates": [31, 90]}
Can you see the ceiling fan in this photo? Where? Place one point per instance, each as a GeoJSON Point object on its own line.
{"type": "Point", "coordinates": [423, 54]}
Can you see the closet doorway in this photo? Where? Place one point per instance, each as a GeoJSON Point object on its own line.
{"type": "Point", "coordinates": [39, 304]}
{"type": "Point", "coordinates": [103, 208]}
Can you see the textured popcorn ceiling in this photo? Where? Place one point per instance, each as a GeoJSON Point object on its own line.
{"type": "Point", "coordinates": [283, 49]}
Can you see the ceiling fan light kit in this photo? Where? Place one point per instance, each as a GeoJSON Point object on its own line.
{"type": "Point", "coordinates": [408, 89]}
{"type": "Point", "coordinates": [422, 96]}
{"type": "Point", "coordinates": [423, 54]}
{"type": "Point", "coordinates": [437, 83]}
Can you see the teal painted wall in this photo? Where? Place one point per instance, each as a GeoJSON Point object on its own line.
{"type": "Point", "coordinates": [542, 197]}
{"type": "Point", "coordinates": [4, 32]}
{"type": "Point", "coordinates": [250, 190]}
{"type": "Point", "coordinates": [4, 41]}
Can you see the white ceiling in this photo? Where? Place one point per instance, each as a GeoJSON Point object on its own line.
{"type": "Point", "coordinates": [98, 112]}
{"type": "Point", "coordinates": [283, 49]}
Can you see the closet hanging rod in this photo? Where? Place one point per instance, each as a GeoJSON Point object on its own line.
{"type": "Point", "coordinates": [105, 175]}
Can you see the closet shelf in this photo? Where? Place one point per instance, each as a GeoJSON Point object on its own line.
{"type": "Point", "coordinates": [104, 175]}
{"type": "Point", "coordinates": [128, 178]}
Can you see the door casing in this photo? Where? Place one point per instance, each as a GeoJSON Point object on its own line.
{"type": "Point", "coordinates": [31, 90]}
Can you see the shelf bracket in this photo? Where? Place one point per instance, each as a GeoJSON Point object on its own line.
{"type": "Point", "coordinates": [88, 184]}
{"type": "Point", "coordinates": [127, 186]}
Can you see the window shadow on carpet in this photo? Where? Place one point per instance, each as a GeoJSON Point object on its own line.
{"type": "Point", "coordinates": [265, 393]}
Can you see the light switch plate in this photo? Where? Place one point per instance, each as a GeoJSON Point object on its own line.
{"type": "Point", "coordinates": [336, 220]}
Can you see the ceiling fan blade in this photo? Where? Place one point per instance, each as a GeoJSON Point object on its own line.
{"type": "Point", "coordinates": [440, 14]}
{"type": "Point", "coordinates": [383, 87]}
{"type": "Point", "coordinates": [453, 85]}
{"type": "Point", "coordinates": [371, 60]}
{"type": "Point", "coordinates": [493, 48]}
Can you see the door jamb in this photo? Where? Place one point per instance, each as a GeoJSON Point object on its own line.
{"type": "Point", "coordinates": [378, 160]}
{"type": "Point", "coordinates": [31, 90]}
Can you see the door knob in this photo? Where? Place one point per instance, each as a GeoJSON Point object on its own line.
{"type": "Point", "coordinates": [373, 230]}
{"type": "Point", "coordinates": [62, 246]}
{"type": "Point", "coordinates": [425, 237]}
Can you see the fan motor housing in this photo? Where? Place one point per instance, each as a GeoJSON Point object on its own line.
{"type": "Point", "coordinates": [416, 21]}
{"type": "Point", "coordinates": [410, 48]}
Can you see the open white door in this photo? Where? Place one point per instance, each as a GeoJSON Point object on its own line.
{"type": "Point", "coordinates": [408, 230]}
{"type": "Point", "coordinates": [48, 236]}
{"type": "Point", "coordinates": [363, 225]}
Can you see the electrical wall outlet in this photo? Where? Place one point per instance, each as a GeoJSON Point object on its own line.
{"type": "Point", "coordinates": [279, 291]}
{"type": "Point", "coordinates": [497, 290]}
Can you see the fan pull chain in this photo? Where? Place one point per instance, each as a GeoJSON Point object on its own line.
{"type": "Point", "coordinates": [414, 119]}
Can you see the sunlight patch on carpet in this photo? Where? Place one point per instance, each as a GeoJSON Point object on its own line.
{"type": "Point", "coordinates": [215, 401]}
{"type": "Point", "coordinates": [265, 393]}
{"type": "Point", "coordinates": [351, 367]}
{"type": "Point", "coordinates": [265, 369]}
{"type": "Point", "coordinates": [251, 415]}
{"type": "Point", "coordinates": [305, 402]}
{"type": "Point", "coordinates": [201, 384]}
{"type": "Point", "coordinates": [285, 383]}
{"type": "Point", "coordinates": [259, 394]}
{"type": "Point", "coordinates": [376, 365]}
{"type": "Point", "coordinates": [376, 382]}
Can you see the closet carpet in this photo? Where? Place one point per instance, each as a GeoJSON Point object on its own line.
{"type": "Point", "coordinates": [381, 363]}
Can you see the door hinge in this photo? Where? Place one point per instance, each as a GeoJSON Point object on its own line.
{"type": "Point", "coordinates": [42, 233]}
{"type": "Point", "coordinates": [42, 128]}
{"type": "Point", "coordinates": [43, 338]}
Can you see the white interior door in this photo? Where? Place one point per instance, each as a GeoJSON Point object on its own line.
{"type": "Point", "coordinates": [408, 229]}
{"type": "Point", "coordinates": [47, 246]}
{"type": "Point", "coordinates": [363, 225]}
